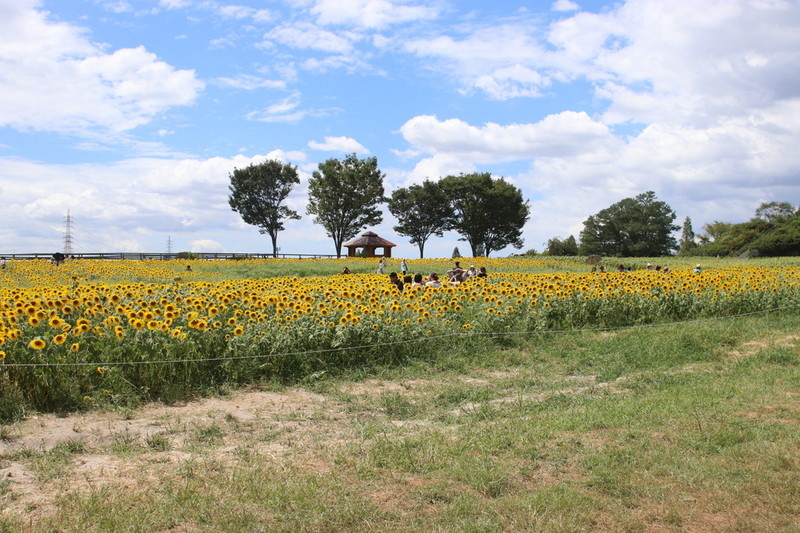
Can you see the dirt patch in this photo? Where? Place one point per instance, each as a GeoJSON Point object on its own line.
{"type": "Point", "coordinates": [45, 456]}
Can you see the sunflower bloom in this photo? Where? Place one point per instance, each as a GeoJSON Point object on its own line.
{"type": "Point", "coordinates": [37, 344]}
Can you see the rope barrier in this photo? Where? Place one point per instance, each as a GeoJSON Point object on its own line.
{"type": "Point", "coordinates": [4, 364]}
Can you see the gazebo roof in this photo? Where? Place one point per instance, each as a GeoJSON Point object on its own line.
{"type": "Point", "coordinates": [369, 239]}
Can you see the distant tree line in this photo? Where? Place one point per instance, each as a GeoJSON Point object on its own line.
{"type": "Point", "coordinates": [773, 231]}
{"type": "Point", "coordinates": [344, 197]}
{"type": "Point", "coordinates": [643, 227]}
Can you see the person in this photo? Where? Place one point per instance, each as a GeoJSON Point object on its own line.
{"type": "Point", "coordinates": [58, 258]}
{"type": "Point", "coordinates": [381, 264]}
{"type": "Point", "coordinates": [404, 267]}
{"type": "Point", "coordinates": [433, 280]}
{"type": "Point", "coordinates": [620, 268]}
{"type": "Point", "coordinates": [418, 281]}
{"type": "Point", "coordinates": [471, 271]}
{"type": "Point", "coordinates": [188, 268]}
{"type": "Point", "coordinates": [345, 270]}
{"type": "Point", "coordinates": [457, 265]}
{"type": "Point", "coordinates": [406, 280]}
{"type": "Point", "coordinates": [394, 280]}
{"type": "Point", "coordinates": [697, 269]}
{"type": "Point", "coordinates": [456, 276]}
{"type": "Point", "coordinates": [482, 273]}
{"type": "Point", "coordinates": [602, 269]}
{"type": "Point", "coordinates": [3, 263]}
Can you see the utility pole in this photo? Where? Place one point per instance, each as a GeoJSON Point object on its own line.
{"type": "Point", "coordinates": [68, 234]}
{"type": "Point", "coordinates": [169, 244]}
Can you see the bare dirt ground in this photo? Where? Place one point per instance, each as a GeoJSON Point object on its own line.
{"type": "Point", "coordinates": [124, 448]}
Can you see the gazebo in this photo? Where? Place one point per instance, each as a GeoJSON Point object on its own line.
{"type": "Point", "coordinates": [369, 241]}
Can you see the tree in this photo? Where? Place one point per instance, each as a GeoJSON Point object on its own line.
{"type": "Point", "coordinates": [568, 246]}
{"type": "Point", "coordinates": [257, 193]}
{"type": "Point", "coordinates": [774, 212]}
{"type": "Point", "coordinates": [687, 242]}
{"type": "Point", "coordinates": [489, 213]}
{"type": "Point", "coordinates": [714, 230]}
{"type": "Point", "coordinates": [422, 211]}
{"type": "Point", "coordinates": [344, 197]}
{"type": "Point", "coordinates": [633, 227]}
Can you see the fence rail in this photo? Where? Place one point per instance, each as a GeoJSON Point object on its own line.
{"type": "Point", "coordinates": [140, 256]}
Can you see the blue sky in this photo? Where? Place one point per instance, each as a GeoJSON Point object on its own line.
{"type": "Point", "coordinates": [130, 114]}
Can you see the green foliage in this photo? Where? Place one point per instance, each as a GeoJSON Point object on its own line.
{"type": "Point", "coordinates": [757, 238]}
{"type": "Point", "coordinates": [257, 193]}
{"type": "Point", "coordinates": [687, 242]}
{"type": "Point", "coordinates": [714, 230]}
{"type": "Point", "coordinates": [456, 253]}
{"type": "Point", "coordinates": [422, 210]}
{"type": "Point", "coordinates": [567, 247]}
{"type": "Point", "coordinates": [343, 197]}
{"type": "Point", "coordinates": [775, 212]}
{"type": "Point", "coordinates": [633, 227]}
{"type": "Point", "coordinates": [489, 213]}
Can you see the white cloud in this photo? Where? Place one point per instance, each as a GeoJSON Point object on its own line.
{"type": "Point", "coordinates": [373, 14]}
{"type": "Point", "coordinates": [339, 144]}
{"type": "Point", "coordinates": [206, 245]}
{"type": "Point", "coordinates": [512, 82]}
{"type": "Point", "coordinates": [244, 12]}
{"type": "Point", "coordinates": [304, 35]}
{"type": "Point", "coordinates": [565, 5]}
{"type": "Point", "coordinates": [565, 133]}
{"type": "Point", "coordinates": [502, 60]}
{"type": "Point", "coordinates": [54, 79]}
{"type": "Point", "coordinates": [249, 82]}
{"type": "Point", "coordinates": [131, 201]}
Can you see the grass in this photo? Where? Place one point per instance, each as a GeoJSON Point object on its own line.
{"type": "Point", "coordinates": [688, 427]}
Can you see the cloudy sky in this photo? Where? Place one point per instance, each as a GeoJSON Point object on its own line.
{"type": "Point", "coordinates": [130, 114]}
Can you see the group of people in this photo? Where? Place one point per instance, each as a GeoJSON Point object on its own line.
{"type": "Point", "coordinates": [650, 266]}
{"type": "Point", "coordinates": [455, 275]}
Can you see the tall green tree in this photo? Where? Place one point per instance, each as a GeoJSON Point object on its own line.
{"type": "Point", "coordinates": [568, 246]}
{"type": "Point", "coordinates": [489, 213]}
{"type": "Point", "coordinates": [257, 193]}
{"type": "Point", "coordinates": [774, 212]}
{"type": "Point", "coordinates": [633, 227]}
{"type": "Point", "coordinates": [422, 211]}
{"type": "Point", "coordinates": [344, 195]}
{"type": "Point", "coordinates": [714, 230]}
{"type": "Point", "coordinates": [687, 242]}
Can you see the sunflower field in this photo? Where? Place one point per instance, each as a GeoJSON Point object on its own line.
{"type": "Point", "coordinates": [103, 333]}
